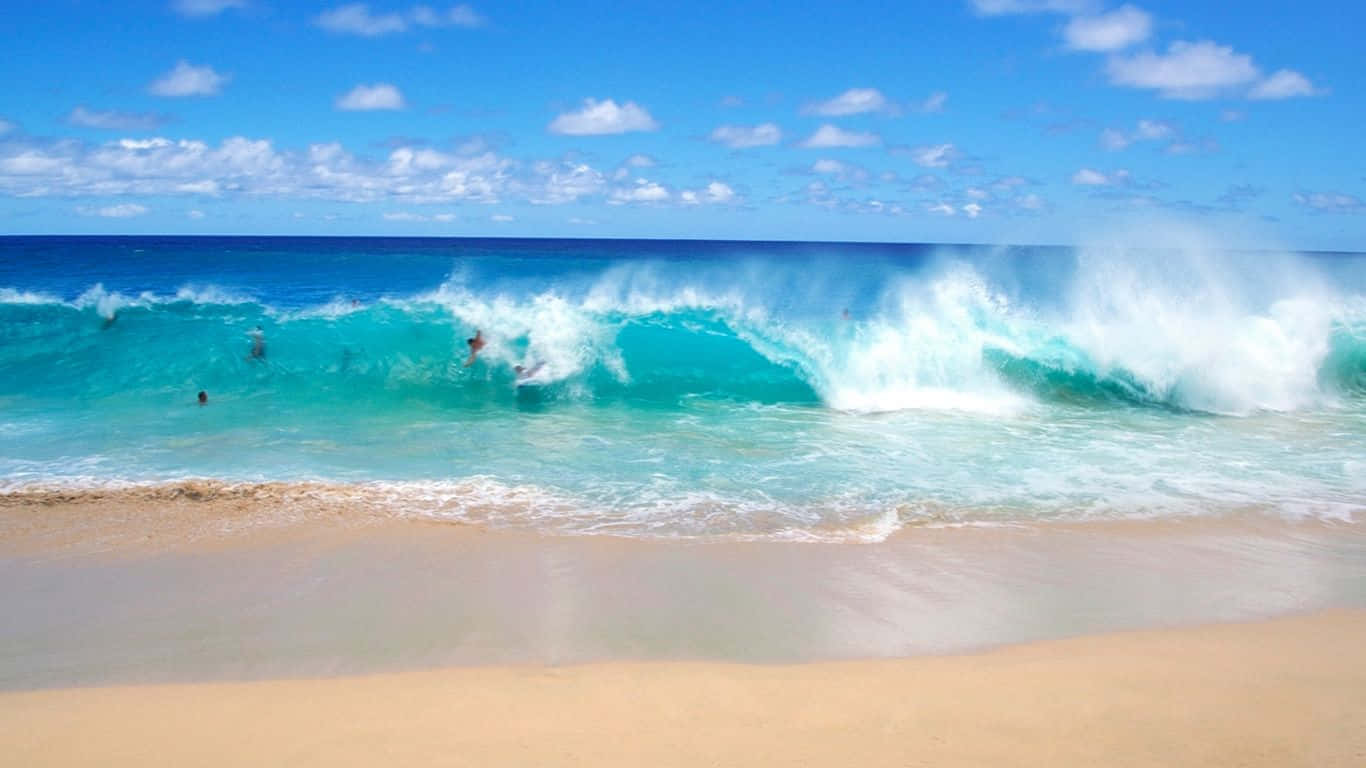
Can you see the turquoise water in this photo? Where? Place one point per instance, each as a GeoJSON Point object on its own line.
{"type": "Point", "coordinates": [693, 388]}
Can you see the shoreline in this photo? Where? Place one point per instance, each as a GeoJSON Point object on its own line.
{"type": "Point", "coordinates": [183, 590]}
{"type": "Point", "coordinates": [1281, 692]}
{"type": "Point", "coordinates": [142, 519]}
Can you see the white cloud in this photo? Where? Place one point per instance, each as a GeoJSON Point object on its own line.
{"type": "Point", "coordinates": [1284, 84]}
{"type": "Point", "coordinates": [1030, 202]}
{"type": "Point", "coordinates": [120, 211]}
{"type": "Point", "coordinates": [644, 191]}
{"type": "Point", "coordinates": [744, 136]}
{"type": "Point", "coordinates": [187, 80]}
{"type": "Point", "coordinates": [194, 214]}
{"type": "Point", "coordinates": [604, 117]}
{"type": "Point", "coordinates": [942, 209]}
{"type": "Point", "coordinates": [1114, 140]}
{"type": "Point", "coordinates": [719, 193]}
{"type": "Point", "coordinates": [973, 210]}
{"type": "Point", "coordinates": [1153, 130]}
{"type": "Point", "coordinates": [205, 7]}
{"type": "Point", "coordinates": [934, 102]}
{"type": "Point", "coordinates": [1007, 7]}
{"type": "Point", "coordinates": [1146, 130]}
{"type": "Point", "coordinates": [828, 136]}
{"type": "Point", "coordinates": [1088, 177]}
{"type": "Point", "coordinates": [113, 120]}
{"type": "Point", "coordinates": [852, 102]}
{"type": "Point", "coordinates": [356, 19]}
{"type": "Point", "coordinates": [827, 166]}
{"type": "Point", "coordinates": [1113, 31]}
{"type": "Point", "coordinates": [502, 218]}
{"type": "Point", "coordinates": [1191, 71]}
{"type": "Point", "coordinates": [565, 183]}
{"type": "Point", "coordinates": [371, 97]}
{"type": "Point", "coordinates": [241, 166]}
{"type": "Point", "coordinates": [408, 216]}
{"type": "Point", "coordinates": [936, 156]}
{"type": "Point", "coordinates": [457, 16]}
{"type": "Point", "coordinates": [640, 161]}
{"type": "Point", "coordinates": [1330, 202]}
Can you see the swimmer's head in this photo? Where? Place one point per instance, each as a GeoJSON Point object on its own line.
{"type": "Point", "coordinates": [203, 397]}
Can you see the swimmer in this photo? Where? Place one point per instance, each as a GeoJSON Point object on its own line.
{"type": "Point", "coordinates": [258, 343]}
{"type": "Point", "coordinates": [203, 397]}
{"type": "Point", "coordinates": [476, 343]}
{"type": "Point", "coordinates": [524, 373]}
{"type": "Point", "coordinates": [109, 320]}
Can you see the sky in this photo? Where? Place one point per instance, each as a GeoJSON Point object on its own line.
{"type": "Point", "coordinates": [965, 121]}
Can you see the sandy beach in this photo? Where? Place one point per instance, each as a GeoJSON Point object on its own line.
{"type": "Point", "coordinates": [1289, 692]}
{"type": "Point", "coordinates": [203, 626]}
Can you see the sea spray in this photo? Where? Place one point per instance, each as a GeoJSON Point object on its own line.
{"type": "Point", "coordinates": [697, 389]}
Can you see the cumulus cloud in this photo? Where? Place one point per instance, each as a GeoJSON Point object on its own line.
{"type": "Point", "coordinates": [718, 192]}
{"type": "Point", "coordinates": [829, 136]}
{"type": "Point", "coordinates": [1284, 84]}
{"type": "Point", "coordinates": [1329, 202]}
{"type": "Point", "coordinates": [201, 8]}
{"type": "Point", "coordinates": [1204, 70]}
{"type": "Point", "coordinates": [371, 97]}
{"type": "Point", "coordinates": [935, 156]}
{"type": "Point", "coordinates": [744, 136]}
{"type": "Point", "coordinates": [1113, 31]}
{"type": "Point", "coordinates": [242, 166]}
{"type": "Point", "coordinates": [357, 19]}
{"type": "Point", "coordinates": [852, 102]}
{"type": "Point", "coordinates": [1089, 177]}
{"type": "Point", "coordinates": [1010, 7]}
{"type": "Point", "coordinates": [120, 211]}
{"type": "Point", "coordinates": [597, 118]}
{"type": "Point", "coordinates": [187, 80]}
{"type": "Point", "coordinates": [640, 161]}
{"type": "Point", "coordinates": [557, 183]}
{"type": "Point", "coordinates": [408, 216]}
{"type": "Point", "coordinates": [1190, 71]}
{"type": "Point", "coordinates": [643, 191]}
{"type": "Point", "coordinates": [1114, 139]}
{"type": "Point", "coordinates": [113, 120]}
{"type": "Point", "coordinates": [456, 16]}
{"type": "Point", "coordinates": [715, 193]}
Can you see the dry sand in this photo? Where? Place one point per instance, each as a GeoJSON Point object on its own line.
{"type": "Point", "coordinates": [1286, 692]}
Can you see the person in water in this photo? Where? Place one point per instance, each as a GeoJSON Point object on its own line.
{"type": "Point", "coordinates": [258, 343]}
{"type": "Point", "coordinates": [524, 374]}
{"type": "Point", "coordinates": [203, 397]}
{"type": "Point", "coordinates": [476, 343]}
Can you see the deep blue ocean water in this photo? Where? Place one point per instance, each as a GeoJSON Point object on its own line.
{"type": "Point", "coordinates": [771, 390]}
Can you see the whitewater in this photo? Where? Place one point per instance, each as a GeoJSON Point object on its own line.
{"type": "Point", "coordinates": [802, 391]}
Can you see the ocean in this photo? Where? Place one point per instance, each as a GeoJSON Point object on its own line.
{"type": "Point", "coordinates": [746, 390]}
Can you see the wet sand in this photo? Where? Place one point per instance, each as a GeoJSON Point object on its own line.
{"type": "Point", "coordinates": [209, 627]}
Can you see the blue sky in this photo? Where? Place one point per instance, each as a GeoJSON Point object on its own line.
{"type": "Point", "coordinates": [1034, 121]}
